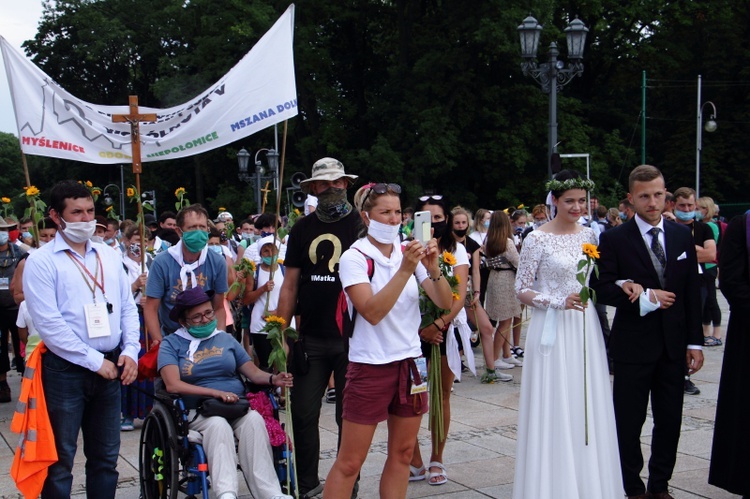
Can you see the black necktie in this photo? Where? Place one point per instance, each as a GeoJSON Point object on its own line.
{"type": "Point", "coordinates": [656, 246]}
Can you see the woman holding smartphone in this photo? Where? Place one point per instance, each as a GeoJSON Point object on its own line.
{"type": "Point", "coordinates": [381, 279]}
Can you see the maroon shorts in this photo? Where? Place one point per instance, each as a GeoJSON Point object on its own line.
{"type": "Point", "coordinates": [373, 391]}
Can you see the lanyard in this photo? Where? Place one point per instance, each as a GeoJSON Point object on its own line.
{"type": "Point", "coordinates": [94, 278]}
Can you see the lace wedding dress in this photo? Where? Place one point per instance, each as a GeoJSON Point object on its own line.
{"type": "Point", "coordinates": [552, 458]}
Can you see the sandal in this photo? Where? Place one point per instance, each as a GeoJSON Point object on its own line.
{"type": "Point", "coordinates": [711, 341]}
{"type": "Point", "coordinates": [417, 474]}
{"type": "Point", "coordinates": [331, 396]}
{"type": "Point", "coordinates": [518, 352]}
{"type": "Point", "coordinates": [441, 476]}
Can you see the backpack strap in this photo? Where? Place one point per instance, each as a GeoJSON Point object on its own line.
{"type": "Point", "coordinates": [344, 321]}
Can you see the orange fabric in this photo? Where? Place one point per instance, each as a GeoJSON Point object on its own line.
{"type": "Point", "coordinates": [33, 455]}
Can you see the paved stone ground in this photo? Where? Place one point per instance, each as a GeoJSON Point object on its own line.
{"type": "Point", "coordinates": [481, 444]}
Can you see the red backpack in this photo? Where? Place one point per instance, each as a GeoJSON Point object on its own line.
{"type": "Point", "coordinates": [344, 320]}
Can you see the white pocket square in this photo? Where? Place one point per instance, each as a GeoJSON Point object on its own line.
{"type": "Point", "coordinates": [682, 256]}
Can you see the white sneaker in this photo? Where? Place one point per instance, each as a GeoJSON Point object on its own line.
{"type": "Point", "coordinates": [503, 377]}
{"type": "Point", "coordinates": [513, 360]}
{"type": "Point", "coordinates": [499, 364]}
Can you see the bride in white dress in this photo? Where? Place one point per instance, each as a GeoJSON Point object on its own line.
{"type": "Point", "coordinates": [553, 460]}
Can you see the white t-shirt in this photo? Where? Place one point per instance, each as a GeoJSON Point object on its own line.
{"type": "Point", "coordinates": [479, 237]}
{"type": "Point", "coordinates": [24, 320]}
{"type": "Point", "coordinates": [256, 317]}
{"type": "Point", "coordinates": [396, 336]}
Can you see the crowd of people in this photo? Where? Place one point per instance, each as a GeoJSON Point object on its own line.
{"type": "Point", "coordinates": [201, 288]}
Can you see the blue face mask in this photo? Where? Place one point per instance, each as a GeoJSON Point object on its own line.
{"type": "Point", "coordinates": [685, 216]}
{"type": "Point", "coordinates": [4, 237]}
{"type": "Point", "coordinates": [486, 224]}
{"type": "Point", "coordinates": [698, 215]}
{"type": "Point", "coordinates": [27, 235]}
{"type": "Point", "coordinates": [265, 234]}
{"type": "Point", "coordinates": [269, 260]}
{"type": "Point", "coordinates": [623, 217]}
{"type": "Point", "coordinates": [216, 248]}
{"type": "Point", "coordinates": [109, 242]}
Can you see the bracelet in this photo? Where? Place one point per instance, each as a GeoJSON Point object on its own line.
{"type": "Point", "coordinates": [270, 380]}
{"type": "Point", "coordinates": [435, 279]}
{"type": "Point", "coordinates": [477, 293]}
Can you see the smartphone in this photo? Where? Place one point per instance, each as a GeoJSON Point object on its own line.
{"type": "Point", "coordinates": [422, 226]}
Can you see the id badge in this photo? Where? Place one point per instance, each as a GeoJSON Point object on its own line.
{"type": "Point", "coordinates": [4, 283]}
{"type": "Point", "coordinates": [421, 364]}
{"type": "Point", "coordinates": [97, 320]}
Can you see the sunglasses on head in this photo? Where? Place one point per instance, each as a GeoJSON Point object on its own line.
{"type": "Point", "coordinates": [436, 197]}
{"type": "Point", "coordinates": [381, 188]}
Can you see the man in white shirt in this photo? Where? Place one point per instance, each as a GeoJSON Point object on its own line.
{"type": "Point", "coordinates": [80, 300]}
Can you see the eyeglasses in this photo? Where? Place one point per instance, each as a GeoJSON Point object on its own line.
{"type": "Point", "coordinates": [380, 188]}
{"type": "Point", "coordinates": [195, 319]}
{"type": "Point", "coordinates": [436, 197]}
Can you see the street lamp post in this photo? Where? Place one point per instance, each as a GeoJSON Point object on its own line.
{"type": "Point", "coordinates": [149, 198]}
{"type": "Point", "coordinates": [709, 127]}
{"type": "Point", "coordinates": [552, 75]}
{"type": "Point", "coordinates": [272, 157]}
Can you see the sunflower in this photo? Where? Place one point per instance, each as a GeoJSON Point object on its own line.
{"type": "Point", "coordinates": [109, 208]}
{"type": "Point", "coordinates": [89, 184]}
{"type": "Point", "coordinates": [591, 250]}
{"type": "Point", "coordinates": [456, 296]}
{"type": "Point", "coordinates": [275, 320]}
{"type": "Point", "coordinates": [130, 192]}
{"type": "Point", "coordinates": [96, 192]}
{"type": "Point", "coordinates": [221, 209]}
{"type": "Point", "coordinates": [5, 200]}
{"type": "Point", "coordinates": [448, 258]}
{"type": "Point", "coordinates": [180, 192]}
{"type": "Point", "coordinates": [32, 191]}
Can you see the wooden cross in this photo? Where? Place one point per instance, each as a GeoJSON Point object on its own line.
{"type": "Point", "coordinates": [134, 118]}
{"type": "Point", "coordinates": [265, 192]}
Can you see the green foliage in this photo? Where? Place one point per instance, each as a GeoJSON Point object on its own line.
{"type": "Point", "coordinates": [426, 94]}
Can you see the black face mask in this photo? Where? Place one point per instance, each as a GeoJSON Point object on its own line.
{"type": "Point", "coordinates": [438, 229]}
{"type": "Point", "coordinates": [460, 233]}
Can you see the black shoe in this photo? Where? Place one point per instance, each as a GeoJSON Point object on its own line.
{"type": "Point", "coordinates": [4, 392]}
{"type": "Point", "coordinates": [464, 369]}
{"type": "Point", "coordinates": [315, 491]}
{"type": "Point", "coordinates": [20, 365]}
{"type": "Point", "coordinates": [690, 388]}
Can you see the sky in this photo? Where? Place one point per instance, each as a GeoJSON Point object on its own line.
{"type": "Point", "coordinates": [18, 22]}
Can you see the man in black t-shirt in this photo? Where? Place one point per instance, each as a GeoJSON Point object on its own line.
{"type": "Point", "coordinates": [705, 247]}
{"type": "Point", "coordinates": [311, 289]}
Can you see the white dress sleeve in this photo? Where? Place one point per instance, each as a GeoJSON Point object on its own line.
{"type": "Point", "coordinates": [532, 253]}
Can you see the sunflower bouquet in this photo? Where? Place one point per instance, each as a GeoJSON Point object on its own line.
{"type": "Point", "coordinates": [246, 267]}
{"type": "Point", "coordinates": [135, 197]}
{"type": "Point", "coordinates": [182, 200]}
{"type": "Point", "coordinates": [36, 208]}
{"type": "Point", "coordinates": [586, 265]}
{"type": "Point", "coordinates": [430, 313]}
{"type": "Point", "coordinates": [278, 333]}
{"type": "Point", "coordinates": [7, 206]}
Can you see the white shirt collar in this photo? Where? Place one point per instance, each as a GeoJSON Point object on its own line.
{"type": "Point", "coordinates": [644, 226]}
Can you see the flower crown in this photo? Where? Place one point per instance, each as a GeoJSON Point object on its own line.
{"type": "Point", "coordinates": [571, 183]}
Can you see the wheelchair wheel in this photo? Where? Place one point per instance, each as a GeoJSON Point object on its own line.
{"type": "Point", "coordinates": [158, 460]}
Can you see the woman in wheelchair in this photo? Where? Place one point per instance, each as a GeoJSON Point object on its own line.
{"type": "Point", "coordinates": [199, 362]}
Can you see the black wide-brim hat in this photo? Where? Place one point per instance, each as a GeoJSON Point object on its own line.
{"type": "Point", "coordinates": [189, 299]}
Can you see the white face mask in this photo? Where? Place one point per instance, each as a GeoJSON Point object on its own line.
{"type": "Point", "coordinates": [382, 233]}
{"type": "Point", "coordinates": [79, 232]}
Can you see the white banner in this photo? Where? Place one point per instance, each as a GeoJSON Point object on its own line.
{"type": "Point", "coordinates": [257, 93]}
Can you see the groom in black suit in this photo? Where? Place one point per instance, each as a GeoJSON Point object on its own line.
{"type": "Point", "coordinates": [656, 329]}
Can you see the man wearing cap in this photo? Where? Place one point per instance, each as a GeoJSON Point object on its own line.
{"type": "Point", "coordinates": [10, 255]}
{"type": "Point", "coordinates": [83, 308]}
{"type": "Point", "coordinates": [185, 265]}
{"type": "Point", "coordinates": [311, 289]}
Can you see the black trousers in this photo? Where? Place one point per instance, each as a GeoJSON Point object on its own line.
{"type": "Point", "coordinates": [8, 325]}
{"type": "Point", "coordinates": [663, 381]}
{"type": "Point", "coordinates": [326, 356]}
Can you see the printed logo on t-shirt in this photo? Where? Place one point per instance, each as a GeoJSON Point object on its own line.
{"type": "Point", "coordinates": [200, 278]}
{"type": "Point", "coordinates": [199, 356]}
{"type": "Point", "coordinates": [316, 248]}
